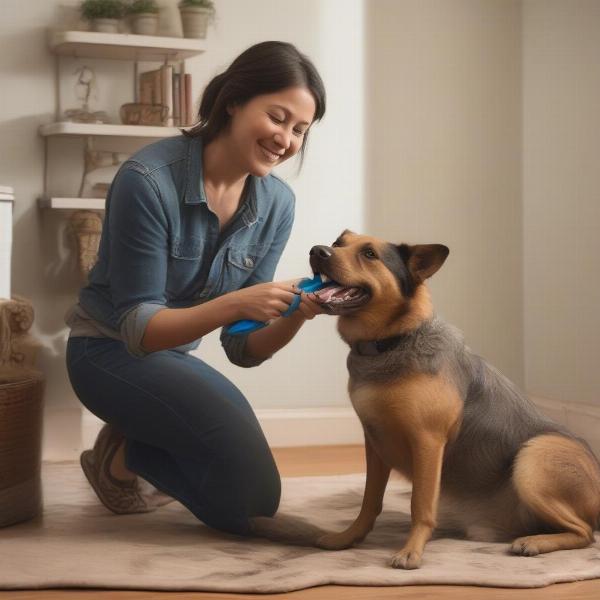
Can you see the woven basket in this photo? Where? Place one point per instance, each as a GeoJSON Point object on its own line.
{"type": "Point", "coordinates": [21, 417]}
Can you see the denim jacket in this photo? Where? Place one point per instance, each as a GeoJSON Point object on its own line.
{"type": "Point", "coordinates": [161, 246]}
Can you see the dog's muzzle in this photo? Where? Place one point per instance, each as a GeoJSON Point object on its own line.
{"type": "Point", "coordinates": [338, 298]}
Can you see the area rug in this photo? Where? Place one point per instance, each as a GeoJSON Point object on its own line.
{"type": "Point", "coordinates": [78, 543]}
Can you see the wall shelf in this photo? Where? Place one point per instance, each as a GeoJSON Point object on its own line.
{"type": "Point", "coordinates": [123, 46]}
{"type": "Point", "coordinates": [72, 203]}
{"type": "Point", "coordinates": [7, 193]}
{"type": "Point", "coordinates": [104, 129]}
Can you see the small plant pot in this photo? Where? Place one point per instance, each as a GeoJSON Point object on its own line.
{"type": "Point", "coordinates": [144, 24]}
{"type": "Point", "coordinates": [105, 25]}
{"type": "Point", "coordinates": [194, 20]}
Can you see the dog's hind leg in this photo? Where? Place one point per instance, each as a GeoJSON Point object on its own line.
{"type": "Point", "coordinates": [377, 477]}
{"type": "Point", "coordinates": [559, 481]}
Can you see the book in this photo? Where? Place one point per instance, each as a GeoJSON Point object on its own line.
{"type": "Point", "coordinates": [166, 72]}
{"type": "Point", "coordinates": [150, 90]}
{"type": "Point", "coordinates": [189, 116]}
{"type": "Point", "coordinates": [145, 90]}
{"type": "Point", "coordinates": [177, 117]}
{"type": "Point", "coordinates": [157, 91]}
{"type": "Point", "coordinates": [182, 112]}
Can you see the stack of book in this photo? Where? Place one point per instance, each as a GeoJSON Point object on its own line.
{"type": "Point", "coordinates": [169, 88]}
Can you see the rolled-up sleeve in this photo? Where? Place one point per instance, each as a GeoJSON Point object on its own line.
{"type": "Point", "coordinates": [138, 233]}
{"type": "Point", "coordinates": [235, 345]}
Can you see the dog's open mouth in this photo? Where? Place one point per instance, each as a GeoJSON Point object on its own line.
{"type": "Point", "coordinates": [338, 299]}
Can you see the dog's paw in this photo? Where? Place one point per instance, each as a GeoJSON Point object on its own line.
{"type": "Point", "coordinates": [525, 546]}
{"type": "Point", "coordinates": [334, 541]}
{"type": "Point", "coordinates": [406, 559]}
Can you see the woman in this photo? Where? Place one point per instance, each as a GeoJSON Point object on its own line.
{"type": "Point", "coordinates": [194, 228]}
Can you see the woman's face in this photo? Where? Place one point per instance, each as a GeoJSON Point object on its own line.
{"type": "Point", "coordinates": [270, 128]}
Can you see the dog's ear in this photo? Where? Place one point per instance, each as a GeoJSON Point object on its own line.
{"type": "Point", "coordinates": [424, 260]}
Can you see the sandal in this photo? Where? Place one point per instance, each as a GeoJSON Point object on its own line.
{"type": "Point", "coordinates": [119, 496]}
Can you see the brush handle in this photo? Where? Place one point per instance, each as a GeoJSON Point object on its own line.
{"type": "Point", "coordinates": [248, 326]}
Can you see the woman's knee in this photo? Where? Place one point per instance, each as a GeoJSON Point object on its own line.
{"type": "Point", "coordinates": [270, 493]}
{"type": "Point", "coordinates": [260, 482]}
{"type": "Point", "coordinates": [254, 493]}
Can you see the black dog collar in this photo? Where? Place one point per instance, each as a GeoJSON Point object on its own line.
{"type": "Point", "coordinates": [375, 347]}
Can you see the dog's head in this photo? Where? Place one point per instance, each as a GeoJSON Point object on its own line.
{"type": "Point", "coordinates": [378, 287]}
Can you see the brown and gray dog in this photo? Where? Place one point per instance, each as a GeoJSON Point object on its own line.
{"type": "Point", "coordinates": [479, 455]}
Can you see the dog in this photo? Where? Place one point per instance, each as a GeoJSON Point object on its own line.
{"type": "Point", "coordinates": [480, 457]}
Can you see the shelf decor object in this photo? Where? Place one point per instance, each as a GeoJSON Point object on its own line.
{"type": "Point", "coordinates": [143, 15]}
{"type": "Point", "coordinates": [103, 15]}
{"type": "Point", "coordinates": [143, 114]}
{"type": "Point", "coordinates": [195, 17]}
{"type": "Point", "coordinates": [87, 228]}
{"type": "Point", "coordinates": [21, 415]}
{"type": "Point", "coordinates": [21, 393]}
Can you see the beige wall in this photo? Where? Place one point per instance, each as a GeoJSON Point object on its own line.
{"type": "Point", "coordinates": [423, 142]}
{"type": "Point", "coordinates": [561, 197]}
{"type": "Point", "coordinates": [444, 156]}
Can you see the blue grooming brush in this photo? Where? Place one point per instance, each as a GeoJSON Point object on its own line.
{"type": "Point", "coordinates": [306, 285]}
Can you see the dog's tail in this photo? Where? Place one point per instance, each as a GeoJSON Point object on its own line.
{"type": "Point", "coordinates": [286, 529]}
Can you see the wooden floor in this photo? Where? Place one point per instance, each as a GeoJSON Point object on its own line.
{"type": "Point", "coordinates": [325, 460]}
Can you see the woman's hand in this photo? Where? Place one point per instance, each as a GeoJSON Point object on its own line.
{"type": "Point", "coordinates": [309, 308]}
{"type": "Point", "coordinates": [264, 301]}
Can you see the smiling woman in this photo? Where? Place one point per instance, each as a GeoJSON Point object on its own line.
{"type": "Point", "coordinates": [269, 129]}
{"type": "Point", "coordinates": [266, 69]}
{"type": "Point", "coordinates": [195, 227]}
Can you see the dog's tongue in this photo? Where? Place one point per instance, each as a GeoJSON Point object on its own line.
{"type": "Point", "coordinates": [336, 294]}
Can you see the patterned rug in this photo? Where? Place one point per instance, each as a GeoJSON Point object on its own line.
{"type": "Point", "coordinates": [78, 543]}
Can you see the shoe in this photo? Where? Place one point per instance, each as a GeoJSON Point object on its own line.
{"type": "Point", "coordinates": [119, 496]}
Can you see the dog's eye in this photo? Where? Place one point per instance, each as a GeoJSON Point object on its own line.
{"type": "Point", "coordinates": [369, 253]}
{"type": "Point", "coordinates": [335, 244]}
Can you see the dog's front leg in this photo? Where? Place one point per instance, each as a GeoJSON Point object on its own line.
{"type": "Point", "coordinates": [377, 477]}
{"type": "Point", "coordinates": [427, 455]}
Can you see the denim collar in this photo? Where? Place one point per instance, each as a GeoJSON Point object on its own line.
{"type": "Point", "coordinates": [194, 184]}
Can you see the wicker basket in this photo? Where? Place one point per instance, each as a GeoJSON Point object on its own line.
{"type": "Point", "coordinates": [21, 417]}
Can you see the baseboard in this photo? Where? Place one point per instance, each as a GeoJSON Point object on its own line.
{"type": "Point", "coordinates": [319, 426]}
{"type": "Point", "coordinates": [582, 419]}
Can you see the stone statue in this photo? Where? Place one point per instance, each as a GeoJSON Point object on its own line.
{"type": "Point", "coordinates": [87, 226]}
{"type": "Point", "coordinates": [18, 348]}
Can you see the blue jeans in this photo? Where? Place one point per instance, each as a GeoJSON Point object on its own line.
{"type": "Point", "coordinates": [189, 431]}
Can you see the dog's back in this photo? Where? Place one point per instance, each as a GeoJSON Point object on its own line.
{"type": "Point", "coordinates": [497, 420]}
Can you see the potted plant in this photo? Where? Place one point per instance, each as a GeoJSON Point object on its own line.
{"type": "Point", "coordinates": [195, 17]}
{"type": "Point", "coordinates": [104, 15]}
{"type": "Point", "coordinates": [144, 16]}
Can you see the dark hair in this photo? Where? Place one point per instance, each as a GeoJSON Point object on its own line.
{"type": "Point", "coordinates": [261, 69]}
